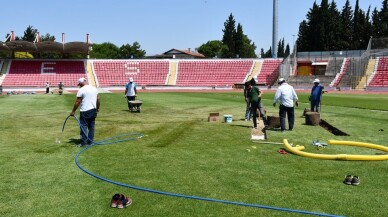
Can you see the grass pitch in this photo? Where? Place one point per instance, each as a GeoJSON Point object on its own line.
{"type": "Point", "coordinates": [183, 153]}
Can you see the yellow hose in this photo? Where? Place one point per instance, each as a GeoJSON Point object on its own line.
{"type": "Point", "coordinates": [298, 150]}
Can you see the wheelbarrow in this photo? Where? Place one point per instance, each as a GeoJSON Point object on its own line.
{"type": "Point", "coordinates": [135, 105]}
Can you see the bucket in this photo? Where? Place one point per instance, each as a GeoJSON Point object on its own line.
{"type": "Point", "coordinates": [228, 118]}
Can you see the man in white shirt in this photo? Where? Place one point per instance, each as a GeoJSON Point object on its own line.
{"type": "Point", "coordinates": [89, 103]}
{"type": "Point", "coordinates": [130, 92]}
{"type": "Point", "coordinates": [286, 96]}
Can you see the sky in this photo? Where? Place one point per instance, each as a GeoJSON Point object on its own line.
{"type": "Point", "coordinates": [159, 25]}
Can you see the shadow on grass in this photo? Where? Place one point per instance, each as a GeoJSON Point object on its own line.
{"type": "Point", "coordinates": [73, 141]}
{"type": "Point", "coordinates": [237, 125]}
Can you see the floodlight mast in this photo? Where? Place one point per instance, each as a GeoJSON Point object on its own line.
{"type": "Point", "coordinates": [275, 29]}
{"type": "Point", "coordinates": [37, 37]}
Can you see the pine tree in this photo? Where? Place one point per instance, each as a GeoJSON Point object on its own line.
{"type": "Point", "coordinates": [384, 19]}
{"type": "Point", "coordinates": [29, 34]}
{"type": "Point", "coordinates": [281, 48]}
{"type": "Point", "coordinates": [375, 23]}
{"type": "Point", "coordinates": [366, 31]}
{"type": "Point", "coordinates": [333, 34]}
{"type": "Point", "coordinates": [287, 51]}
{"type": "Point", "coordinates": [323, 25]}
{"type": "Point", "coordinates": [357, 27]}
{"type": "Point", "coordinates": [302, 42]}
{"type": "Point", "coordinates": [314, 30]}
{"type": "Point", "coordinates": [346, 27]}
{"type": "Point", "coordinates": [228, 37]}
{"type": "Point", "coordinates": [238, 41]}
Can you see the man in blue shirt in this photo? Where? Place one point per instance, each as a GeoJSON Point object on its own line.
{"type": "Point", "coordinates": [316, 96]}
{"type": "Point", "coordinates": [130, 92]}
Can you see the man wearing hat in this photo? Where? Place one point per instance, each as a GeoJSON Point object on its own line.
{"type": "Point", "coordinates": [60, 87]}
{"type": "Point", "coordinates": [89, 103]}
{"type": "Point", "coordinates": [286, 95]}
{"type": "Point", "coordinates": [130, 92]}
{"type": "Point", "coordinates": [316, 96]}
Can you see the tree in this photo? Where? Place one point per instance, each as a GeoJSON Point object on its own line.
{"type": "Point", "coordinates": [47, 37]}
{"type": "Point", "coordinates": [313, 28]}
{"type": "Point", "coordinates": [357, 27]}
{"type": "Point", "coordinates": [29, 34]}
{"type": "Point", "coordinates": [346, 27]}
{"type": "Point", "coordinates": [228, 37]}
{"type": "Point", "coordinates": [267, 54]}
{"type": "Point", "coordinates": [281, 48]}
{"type": "Point", "coordinates": [105, 50]}
{"type": "Point", "coordinates": [333, 35]}
{"type": "Point", "coordinates": [134, 51]}
{"type": "Point", "coordinates": [262, 54]}
{"type": "Point", "coordinates": [366, 31]}
{"type": "Point", "coordinates": [211, 49]}
{"type": "Point", "coordinates": [383, 15]}
{"type": "Point", "coordinates": [302, 42]}
{"type": "Point", "coordinates": [239, 41]}
{"type": "Point", "coordinates": [287, 51]}
{"type": "Point", "coordinates": [249, 48]}
{"type": "Point", "coordinates": [375, 23]}
{"type": "Point", "coordinates": [323, 26]}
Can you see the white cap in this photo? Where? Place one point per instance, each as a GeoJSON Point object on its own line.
{"type": "Point", "coordinates": [281, 80]}
{"type": "Point", "coordinates": [316, 81]}
{"type": "Point", "coordinates": [81, 80]}
{"type": "Point", "coordinates": [255, 77]}
{"type": "Point", "coordinates": [130, 79]}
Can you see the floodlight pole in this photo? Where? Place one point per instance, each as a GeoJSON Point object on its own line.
{"type": "Point", "coordinates": [37, 37]}
{"type": "Point", "coordinates": [275, 29]}
{"type": "Point", "coordinates": [10, 37]}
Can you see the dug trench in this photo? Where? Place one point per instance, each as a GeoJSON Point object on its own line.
{"type": "Point", "coordinates": [314, 119]}
{"type": "Point", "coordinates": [325, 125]}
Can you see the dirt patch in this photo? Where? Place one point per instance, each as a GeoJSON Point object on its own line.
{"type": "Point", "coordinates": [332, 129]}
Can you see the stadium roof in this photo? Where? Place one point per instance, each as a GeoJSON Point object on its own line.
{"type": "Point", "coordinates": [44, 47]}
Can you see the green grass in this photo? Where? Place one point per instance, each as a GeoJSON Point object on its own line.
{"type": "Point", "coordinates": [183, 153]}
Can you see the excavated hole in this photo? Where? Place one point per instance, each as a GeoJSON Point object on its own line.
{"type": "Point", "coordinates": [332, 129]}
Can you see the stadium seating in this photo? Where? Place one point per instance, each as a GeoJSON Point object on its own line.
{"type": "Point", "coordinates": [35, 73]}
{"type": "Point", "coordinates": [144, 72]}
{"type": "Point", "coordinates": [212, 72]}
{"type": "Point", "coordinates": [269, 71]}
{"type": "Point", "coordinates": [380, 77]}
{"type": "Point", "coordinates": [343, 71]}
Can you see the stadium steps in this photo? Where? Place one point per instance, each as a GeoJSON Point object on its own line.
{"type": "Point", "coordinates": [256, 69]}
{"type": "Point", "coordinates": [3, 70]}
{"type": "Point", "coordinates": [171, 80]}
{"type": "Point", "coordinates": [2, 78]}
{"type": "Point", "coordinates": [339, 78]}
{"type": "Point", "coordinates": [90, 74]}
{"type": "Point", "coordinates": [369, 70]}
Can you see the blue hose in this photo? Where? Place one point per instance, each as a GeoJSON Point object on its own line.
{"type": "Point", "coordinates": [135, 136]}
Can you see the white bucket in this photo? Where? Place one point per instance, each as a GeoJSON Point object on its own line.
{"type": "Point", "coordinates": [228, 118]}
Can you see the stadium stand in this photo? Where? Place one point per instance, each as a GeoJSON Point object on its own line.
{"type": "Point", "coordinates": [269, 71]}
{"type": "Point", "coordinates": [144, 72]}
{"type": "Point", "coordinates": [257, 64]}
{"type": "Point", "coordinates": [340, 75]}
{"type": "Point", "coordinates": [368, 74]}
{"type": "Point", "coordinates": [380, 77]}
{"type": "Point", "coordinates": [212, 72]}
{"type": "Point", "coordinates": [35, 73]}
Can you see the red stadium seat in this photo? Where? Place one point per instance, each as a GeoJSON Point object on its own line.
{"type": "Point", "coordinates": [35, 73]}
